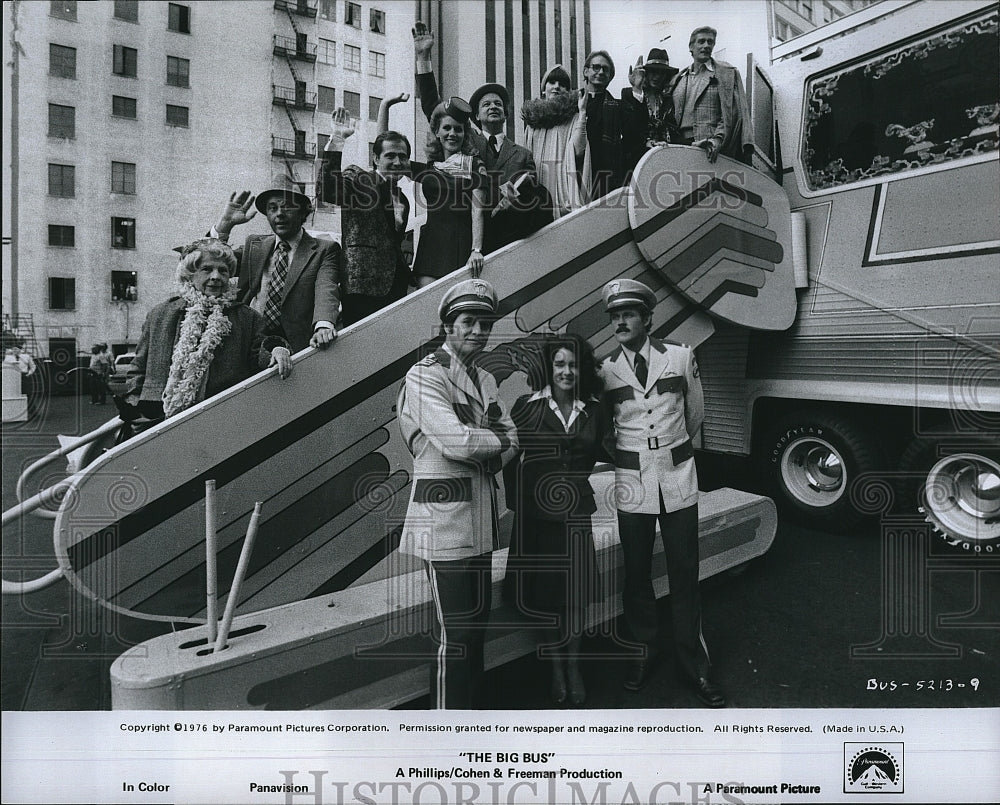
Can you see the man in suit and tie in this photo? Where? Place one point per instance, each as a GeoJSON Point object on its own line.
{"type": "Point", "coordinates": [654, 388]}
{"type": "Point", "coordinates": [373, 218]}
{"type": "Point", "coordinates": [289, 277]}
{"type": "Point", "coordinates": [518, 203]}
{"type": "Point", "coordinates": [460, 435]}
{"type": "Point", "coordinates": [709, 103]}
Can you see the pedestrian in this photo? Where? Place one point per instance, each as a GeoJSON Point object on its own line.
{"type": "Point", "coordinates": [654, 389]}
{"type": "Point", "coordinates": [459, 434]}
{"type": "Point", "coordinates": [100, 371]}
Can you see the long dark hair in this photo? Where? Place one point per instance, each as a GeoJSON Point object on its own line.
{"type": "Point", "coordinates": [589, 383]}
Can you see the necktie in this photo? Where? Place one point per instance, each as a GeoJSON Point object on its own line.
{"type": "Point", "coordinates": [397, 207]}
{"type": "Point", "coordinates": [473, 376]}
{"type": "Point", "coordinates": [494, 145]}
{"type": "Point", "coordinates": [641, 371]}
{"type": "Point", "coordinates": [272, 307]}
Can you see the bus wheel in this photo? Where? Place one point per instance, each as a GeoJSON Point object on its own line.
{"type": "Point", "coordinates": [956, 486]}
{"type": "Point", "coordinates": [811, 460]}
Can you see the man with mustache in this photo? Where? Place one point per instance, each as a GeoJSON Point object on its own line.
{"type": "Point", "coordinates": [460, 435]}
{"type": "Point", "coordinates": [654, 389]}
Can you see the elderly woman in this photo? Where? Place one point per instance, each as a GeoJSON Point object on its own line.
{"type": "Point", "coordinates": [555, 129]}
{"type": "Point", "coordinates": [201, 342]}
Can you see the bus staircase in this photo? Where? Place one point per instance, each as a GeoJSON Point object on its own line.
{"type": "Point", "coordinates": [325, 595]}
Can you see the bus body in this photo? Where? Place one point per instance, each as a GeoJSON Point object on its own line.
{"type": "Point", "coordinates": [884, 136]}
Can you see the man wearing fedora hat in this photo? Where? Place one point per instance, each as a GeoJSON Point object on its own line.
{"type": "Point", "coordinates": [289, 277]}
{"type": "Point", "coordinates": [709, 102]}
{"type": "Point", "coordinates": [647, 107]}
{"type": "Point", "coordinates": [460, 435]}
{"type": "Point", "coordinates": [518, 203]}
{"type": "Point", "coordinates": [655, 390]}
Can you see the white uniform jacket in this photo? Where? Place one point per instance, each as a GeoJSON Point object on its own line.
{"type": "Point", "coordinates": [653, 428]}
{"type": "Point", "coordinates": [459, 437]}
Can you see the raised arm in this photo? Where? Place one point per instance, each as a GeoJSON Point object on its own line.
{"type": "Point", "coordinates": [423, 44]}
{"type": "Point", "coordinates": [352, 187]}
{"type": "Point", "coordinates": [383, 110]}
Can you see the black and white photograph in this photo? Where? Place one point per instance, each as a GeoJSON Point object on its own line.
{"type": "Point", "coordinates": [501, 401]}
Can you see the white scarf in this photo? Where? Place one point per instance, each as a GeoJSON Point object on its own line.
{"type": "Point", "coordinates": [204, 327]}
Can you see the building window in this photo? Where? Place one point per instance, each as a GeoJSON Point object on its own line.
{"type": "Point", "coordinates": [376, 64]}
{"type": "Point", "coordinates": [126, 61]}
{"type": "Point", "coordinates": [373, 107]}
{"type": "Point", "coordinates": [123, 107]}
{"type": "Point", "coordinates": [62, 180]}
{"type": "Point", "coordinates": [124, 286]}
{"type": "Point", "coordinates": [123, 233]}
{"type": "Point", "coordinates": [123, 178]}
{"type": "Point", "coordinates": [178, 72]}
{"type": "Point", "coordinates": [863, 121]}
{"type": "Point", "coordinates": [62, 293]}
{"type": "Point", "coordinates": [806, 10]}
{"type": "Point", "coordinates": [177, 115]}
{"type": "Point", "coordinates": [352, 58]}
{"type": "Point", "coordinates": [327, 99]}
{"type": "Point", "coordinates": [62, 61]}
{"type": "Point", "coordinates": [321, 141]}
{"type": "Point", "coordinates": [352, 14]}
{"type": "Point", "coordinates": [377, 21]}
{"type": "Point", "coordinates": [352, 103]}
{"type": "Point", "coordinates": [62, 121]}
{"type": "Point", "coordinates": [328, 10]}
{"type": "Point", "coordinates": [327, 51]}
{"type": "Point", "coordinates": [60, 235]}
{"type": "Point", "coordinates": [127, 10]}
{"type": "Point", "coordinates": [178, 18]}
{"type": "Point", "coordinates": [63, 9]}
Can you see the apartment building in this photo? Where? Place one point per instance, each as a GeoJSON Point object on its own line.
{"type": "Point", "coordinates": [792, 18]}
{"type": "Point", "coordinates": [128, 124]}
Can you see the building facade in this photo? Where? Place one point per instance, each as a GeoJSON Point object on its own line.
{"type": "Point", "coordinates": [792, 18]}
{"type": "Point", "coordinates": [129, 124]}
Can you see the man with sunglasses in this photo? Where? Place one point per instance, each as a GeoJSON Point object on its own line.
{"type": "Point", "coordinates": [604, 125]}
{"type": "Point", "coordinates": [289, 277]}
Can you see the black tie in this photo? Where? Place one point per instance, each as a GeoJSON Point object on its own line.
{"type": "Point", "coordinates": [494, 145]}
{"type": "Point", "coordinates": [641, 372]}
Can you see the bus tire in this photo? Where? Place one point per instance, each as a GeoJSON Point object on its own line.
{"type": "Point", "coordinates": [954, 482]}
{"type": "Point", "coordinates": [810, 459]}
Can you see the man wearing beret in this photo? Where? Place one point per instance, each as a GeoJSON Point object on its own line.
{"type": "Point", "coordinates": [518, 203]}
{"type": "Point", "coordinates": [654, 388]}
{"type": "Point", "coordinates": [290, 277]}
{"type": "Point", "coordinates": [460, 435]}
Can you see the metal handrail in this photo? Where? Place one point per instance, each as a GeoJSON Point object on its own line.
{"type": "Point", "coordinates": [48, 495]}
{"type": "Point", "coordinates": [108, 427]}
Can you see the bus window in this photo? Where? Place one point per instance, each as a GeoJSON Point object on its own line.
{"type": "Point", "coordinates": [931, 101]}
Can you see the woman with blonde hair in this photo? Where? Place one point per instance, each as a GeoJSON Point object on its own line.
{"type": "Point", "coordinates": [201, 341]}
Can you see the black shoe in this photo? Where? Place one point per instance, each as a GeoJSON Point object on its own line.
{"type": "Point", "coordinates": [638, 675]}
{"type": "Point", "coordinates": [709, 694]}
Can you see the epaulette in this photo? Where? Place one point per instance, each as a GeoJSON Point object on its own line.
{"type": "Point", "coordinates": [614, 356]}
{"type": "Point", "coordinates": [439, 357]}
{"type": "Point", "coordinates": [674, 343]}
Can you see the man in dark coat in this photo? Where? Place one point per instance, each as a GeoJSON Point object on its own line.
{"type": "Point", "coordinates": [290, 277]}
{"type": "Point", "coordinates": [373, 218]}
{"type": "Point", "coordinates": [647, 107]}
{"type": "Point", "coordinates": [604, 125]}
{"type": "Point", "coordinates": [518, 204]}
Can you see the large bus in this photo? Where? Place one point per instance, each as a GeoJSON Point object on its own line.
{"type": "Point", "coordinates": [882, 128]}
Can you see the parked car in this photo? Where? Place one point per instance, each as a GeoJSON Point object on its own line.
{"type": "Point", "coordinates": [121, 372]}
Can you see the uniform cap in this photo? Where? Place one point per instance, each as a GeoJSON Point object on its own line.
{"type": "Point", "coordinates": [626, 292]}
{"type": "Point", "coordinates": [468, 295]}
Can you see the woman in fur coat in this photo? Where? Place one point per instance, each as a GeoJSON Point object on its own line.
{"type": "Point", "coordinates": [556, 133]}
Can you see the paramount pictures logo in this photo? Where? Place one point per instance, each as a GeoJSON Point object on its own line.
{"type": "Point", "coordinates": [873, 768]}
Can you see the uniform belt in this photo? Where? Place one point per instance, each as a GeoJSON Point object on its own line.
{"type": "Point", "coordinates": [629, 459]}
